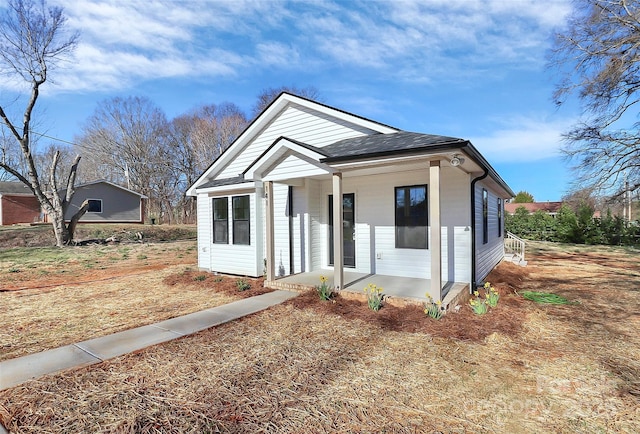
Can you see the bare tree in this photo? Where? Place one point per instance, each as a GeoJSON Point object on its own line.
{"type": "Point", "coordinates": [598, 55]}
{"type": "Point", "coordinates": [10, 155]}
{"type": "Point", "coordinates": [65, 155]}
{"type": "Point", "coordinates": [267, 96]}
{"type": "Point", "coordinates": [32, 42]}
{"type": "Point", "coordinates": [126, 142]}
{"type": "Point", "coordinates": [196, 140]}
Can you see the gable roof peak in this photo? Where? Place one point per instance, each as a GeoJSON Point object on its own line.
{"type": "Point", "coordinates": [271, 113]}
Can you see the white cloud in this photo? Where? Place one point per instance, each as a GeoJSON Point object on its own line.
{"type": "Point", "coordinates": [523, 139]}
{"type": "Point", "coordinates": [125, 42]}
{"type": "Point", "coordinates": [423, 41]}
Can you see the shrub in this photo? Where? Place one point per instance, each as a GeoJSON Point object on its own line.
{"type": "Point", "coordinates": [242, 285]}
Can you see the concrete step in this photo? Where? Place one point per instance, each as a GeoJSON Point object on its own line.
{"type": "Point", "coordinates": [512, 257]}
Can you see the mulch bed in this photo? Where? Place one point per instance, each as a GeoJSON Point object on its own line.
{"type": "Point", "coordinates": [506, 318]}
{"type": "Point", "coordinates": [221, 284]}
{"type": "Point", "coordinates": [464, 325]}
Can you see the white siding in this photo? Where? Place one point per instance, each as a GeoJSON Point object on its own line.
{"type": "Point", "coordinates": [316, 226]}
{"type": "Point", "coordinates": [490, 254]}
{"type": "Point", "coordinates": [300, 230]}
{"type": "Point", "coordinates": [375, 226]}
{"type": "Point", "coordinates": [297, 123]}
{"type": "Point", "coordinates": [237, 259]}
{"type": "Point", "coordinates": [281, 229]}
{"type": "Point", "coordinates": [375, 229]}
{"type": "Point", "coordinates": [293, 167]}
{"type": "Point", "coordinates": [456, 221]}
{"type": "Point", "coordinates": [204, 230]}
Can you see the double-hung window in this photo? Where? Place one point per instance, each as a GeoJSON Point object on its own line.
{"type": "Point", "coordinates": [221, 220]}
{"type": "Point", "coordinates": [411, 217]}
{"type": "Point", "coordinates": [241, 217]}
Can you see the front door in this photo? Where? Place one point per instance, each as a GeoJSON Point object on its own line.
{"type": "Point", "coordinates": [348, 229]}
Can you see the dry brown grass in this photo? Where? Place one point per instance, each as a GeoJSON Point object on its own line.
{"type": "Point", "coordinates": [151, 284]}
{"type": "Point", "coordinates": [311, 366]}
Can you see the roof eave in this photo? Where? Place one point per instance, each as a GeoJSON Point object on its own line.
{"type": "Point", "coordinates": [477, 156]}
{"type": "Point", "coordinates": [427, 149]}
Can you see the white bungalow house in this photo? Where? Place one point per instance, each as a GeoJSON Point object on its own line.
{"type": "Point", "coordinates": [309, 189]}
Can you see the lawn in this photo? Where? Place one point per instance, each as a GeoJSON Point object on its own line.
{"type": "Point", "coordinates": [312, 366]}
{"type": "Point", "coordinates": [53, 297]}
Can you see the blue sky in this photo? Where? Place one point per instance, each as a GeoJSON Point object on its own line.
{"type": "Point", "coordinates": [463, 68]}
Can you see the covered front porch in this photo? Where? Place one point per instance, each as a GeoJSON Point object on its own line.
{"type": "Point", "coordinates": [397, 290]}
{"type": "Point", "coordinates": [339, 219]}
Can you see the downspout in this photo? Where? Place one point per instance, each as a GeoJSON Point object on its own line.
{"type": "Point", "coordinates": [474, 284]}
{"type": "Point", "coordinates": [290, 206]}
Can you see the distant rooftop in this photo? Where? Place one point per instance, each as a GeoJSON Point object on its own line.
{"type": "Point", "coordinates": [548, 207]}
{"type": "Point", "coordinates": [14, 187]}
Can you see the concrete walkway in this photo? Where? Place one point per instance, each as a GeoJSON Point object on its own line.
{"type": "Point", "coordinates": [16, 371]}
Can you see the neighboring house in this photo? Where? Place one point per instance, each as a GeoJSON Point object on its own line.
{"type": "Point", "coordinates": [108, 203]}
{"type": "Point", "coordinates": [550, 208]}
{"type": "Point", "coordinates": [420, 211]}
{"type": "Point", "coordinates": [17, 204]}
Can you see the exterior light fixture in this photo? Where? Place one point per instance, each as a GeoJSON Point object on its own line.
{"type": "Point", "coordinates": [456, 161]}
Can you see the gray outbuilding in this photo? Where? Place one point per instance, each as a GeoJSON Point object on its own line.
{"type": "Point", "coordinates": [108, 203]}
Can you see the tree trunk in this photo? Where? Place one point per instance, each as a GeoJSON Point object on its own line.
{"type": "Point", "coordinates": [60, 229]}
{"type": "Point", "coordinates": [71, 228]}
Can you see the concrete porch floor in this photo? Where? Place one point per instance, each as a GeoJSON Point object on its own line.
{"type": "Point", "coordinates": [405, 288]}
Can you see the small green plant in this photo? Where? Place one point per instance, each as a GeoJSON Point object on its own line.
{"type": "Point", "coordinates": [491, 295]}
{"type": "Point", "coordinates": [545, 297]}
{"type": "Point", "coordinates": [218, 279]}
{"type": "Point", "coordinates": [242, 285]}
{"type": "Point", "coordinates": [14, 270]}
{"type": "Point", "coordinates": [141, 257]}
{"type": "Point", "coordinates": [200, 278]}
{"type": "Point", "coordinates": [433, 309]}
{"type": "Point", "coordinates": [324, 290]}
{"type": "Point", "coordinates": [478, 305]}
{"type": "Point", "coordinates": [374, 296]}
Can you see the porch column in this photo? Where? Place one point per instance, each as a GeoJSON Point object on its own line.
{"type": "Point", "coordinates": [271, 269]}
{"type": "Point", "coordinates": [436, 231]}
{"type": "Point", "coordinates": [338, 244]}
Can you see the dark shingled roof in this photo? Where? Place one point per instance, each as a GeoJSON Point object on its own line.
{"type": "Point", "coordinates": [226, 181]}
{"type": "Point", "coordinates": [14, 187]}
{"type": "Point", "coordinates": [387, 144]}
{"type": "Point", "coordinates": [381, 145]}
